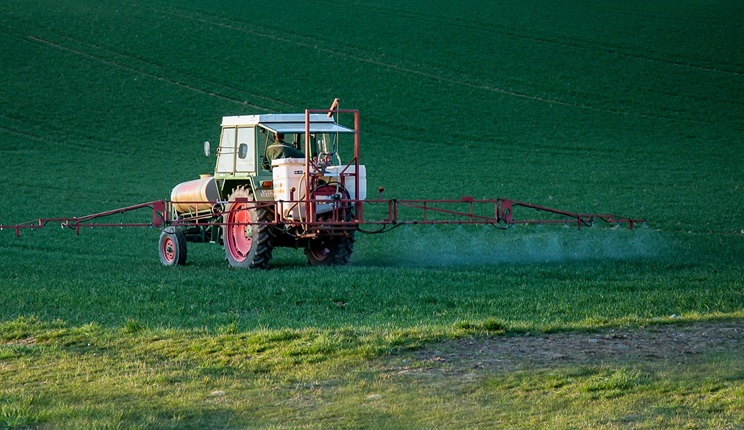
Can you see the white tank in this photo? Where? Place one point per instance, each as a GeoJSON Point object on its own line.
{"type": "Point", "coordinates": [345, 175]}
{"type": "Point", "coordinates": [289, 174]}
{"type": "Point", "coordinates": [195, 196]}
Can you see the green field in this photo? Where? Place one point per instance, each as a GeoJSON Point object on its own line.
{"type": "Point", "coordinates": [635, 109]}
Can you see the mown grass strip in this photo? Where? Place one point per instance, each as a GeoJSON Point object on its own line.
{"type": "Point", "coordinates": [136, 377]}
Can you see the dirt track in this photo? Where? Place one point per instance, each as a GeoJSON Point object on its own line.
{"type": "Point", "coordinates": [675, 343]}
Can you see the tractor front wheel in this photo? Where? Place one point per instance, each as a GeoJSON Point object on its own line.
{"type": "Point", "coordinates": [172, 247]}
{"type": "Point", "coordinates": [247, 244]}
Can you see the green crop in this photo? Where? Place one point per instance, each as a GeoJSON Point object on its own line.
{"type": "Point", "coordinates": [632, 109]}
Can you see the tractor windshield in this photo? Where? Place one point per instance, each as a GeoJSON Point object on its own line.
{"type": "Point", "coordinates": [273, 145]}
{"type": "Point", "coordinates": [283, 136]}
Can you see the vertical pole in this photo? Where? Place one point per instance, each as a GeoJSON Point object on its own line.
{"type": "Point", "coordinates": [309, 212]}
{"type": "Point", "coordinates": [360, 205]}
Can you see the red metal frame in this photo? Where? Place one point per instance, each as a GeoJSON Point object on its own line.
{"type": "Point", "coordinates": [499, 211]}
{"type": "Point", "coordinates": [310, 166]}
{"type": "Point", "coordinates": [160, 218]}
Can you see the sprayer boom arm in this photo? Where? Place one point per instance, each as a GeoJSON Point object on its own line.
{"type": "Point", "coordinates": [392, 213]}
{"type": "Point", "coordinates": [159, 219]}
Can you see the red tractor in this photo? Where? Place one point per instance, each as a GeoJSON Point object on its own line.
{"type": "Point", "coordinates": [279, 181]}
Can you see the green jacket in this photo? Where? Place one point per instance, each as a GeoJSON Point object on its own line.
{"type": "Point", "coordinates": [281, 150]}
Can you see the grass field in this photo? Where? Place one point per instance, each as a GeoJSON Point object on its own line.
{"type": "Point", "coordinates": [635, 109]}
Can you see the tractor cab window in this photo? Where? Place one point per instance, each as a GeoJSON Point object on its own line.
{"type": "Point", "coordinates": [226, 151]}
{"type": "Point", "coordinates": [237, 151]}
{"type": "Point", "coordinates": [246, 150]}
{"type": "Point", "coordinates": [274, 145]}
{"type": "Point", "coordinates": [326, 148]}
{"type": "Point", "coordinates": [292, 145]}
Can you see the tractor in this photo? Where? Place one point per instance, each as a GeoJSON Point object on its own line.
{"type": "Point", "coordinates": [279, 181]}
{"type": "Point", "coordinates": [294, 180]}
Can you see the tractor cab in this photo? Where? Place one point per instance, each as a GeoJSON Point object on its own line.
{"type": "Point", "coordinates": [250, 143]}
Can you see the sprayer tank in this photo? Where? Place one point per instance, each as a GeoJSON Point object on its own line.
{"type": "Point", "coordinates": [195, 196]}
{"type": "Point", "coordinates": [289, 185]}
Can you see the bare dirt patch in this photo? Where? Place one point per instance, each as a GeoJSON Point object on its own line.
{"type": "Point", "coordinates": [21, 342]}
{"type": "Point", "coordinates": [675, 343]}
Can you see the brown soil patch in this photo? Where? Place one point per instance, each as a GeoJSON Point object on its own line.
{"type": "Point", "coordinates": [675, 343]}
{"type": "Point", "coordinates": [21, 342]}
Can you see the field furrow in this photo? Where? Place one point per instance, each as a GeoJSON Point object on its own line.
{"type": "Point", "coordinates": [499, 28]}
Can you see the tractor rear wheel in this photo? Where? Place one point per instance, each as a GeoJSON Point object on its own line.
{"type": "Point", "coordinates": [330, 250]}
{"type": "Point", "coordinates": [172, 247]}
{"type": "Point", "coordinates": [247, 245]}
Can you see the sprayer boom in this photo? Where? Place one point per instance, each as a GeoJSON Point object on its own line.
{"type": "Point", "coordinates": [499, 212]}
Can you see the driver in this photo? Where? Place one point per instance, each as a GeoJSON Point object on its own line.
{"type": "Point", "coordinates": [281, 149]}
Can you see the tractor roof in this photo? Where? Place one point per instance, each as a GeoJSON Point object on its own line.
{"type": "Point", "coordinates": [287, 123]}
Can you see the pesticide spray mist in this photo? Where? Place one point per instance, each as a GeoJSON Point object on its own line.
{"type": "Point", "coordinates": [431, 246]}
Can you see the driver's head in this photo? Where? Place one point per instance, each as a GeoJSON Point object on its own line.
{"type": "Point", "coordinates": [279, 137]}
